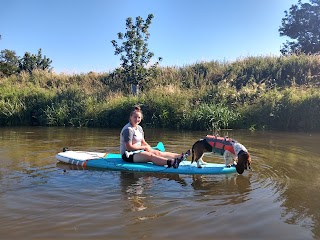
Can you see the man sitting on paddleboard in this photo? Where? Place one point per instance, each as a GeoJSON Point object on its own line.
{"type": "Point", "coordinates": [132, 139]}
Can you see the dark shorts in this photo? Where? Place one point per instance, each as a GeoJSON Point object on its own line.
{"type": "Point", "coordinates": [129, 159]}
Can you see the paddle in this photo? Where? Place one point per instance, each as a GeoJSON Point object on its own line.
{"type": "Point", "coordinates": [159, 147]}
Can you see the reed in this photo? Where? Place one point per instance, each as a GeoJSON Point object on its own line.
{"type": "Point", "coordinates": [255, 92]}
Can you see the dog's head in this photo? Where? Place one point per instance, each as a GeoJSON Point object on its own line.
{"type": "Point", "coordinates": [244, 162]}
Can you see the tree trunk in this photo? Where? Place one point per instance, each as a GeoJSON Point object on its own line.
{"type": "Point", "coordinates": [135, 89]}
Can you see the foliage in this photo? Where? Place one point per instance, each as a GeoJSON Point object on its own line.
{"type": "Point", "coordinates": [165, 106]}
{"type": "Point", "coordinates": [301, 24]}
{"type": "Point", "coordinates": [30, 62]}
{"type": "Point", "coordinates": [274, 71]}
{"type": "Point", "coordinates": [113, 111]}
{"type": "Point", "coordinates": [212, 117]}
{"type": "Point", "coordinates": [255, 93]}
{"type": "Point", "coordinates": [134, 52]}
{"type": "Point", "coordinates": [67, 108]}
{"type": "Point", "coordinates": [289, 109]}
{"type": "Point", "coordinates": [9, 62]}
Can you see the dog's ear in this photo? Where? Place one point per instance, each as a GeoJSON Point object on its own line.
{"type": "Point", "coordinates": [240, 168]}
{"type": "Point", "coordinates": [244, 160]}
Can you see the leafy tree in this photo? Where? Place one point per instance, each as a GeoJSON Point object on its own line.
{"type": "Point", "coordinates": [301, 24]}
{"type": "Point", "coordinates": [9, 62]}
{"type": "Point", "coordinates": [134, 52]}
{"type": "Point", "coordinates": [29, 62]}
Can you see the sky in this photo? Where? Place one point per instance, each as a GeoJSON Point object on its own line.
{"type": "Point", "coordinates": [76, 34]}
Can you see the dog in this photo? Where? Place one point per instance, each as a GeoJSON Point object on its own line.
{"type": "Point", "coordinates": [233, 152]}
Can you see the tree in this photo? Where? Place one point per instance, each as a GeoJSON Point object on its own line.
{"type": "Point", "coordinates": [301, 24]}
{"type": "Point", "coordinates": [134, 52]}
{"type": "Point", "coordinates": [29, 62]}
{"type": "Point", "coordinates": [9, 62]}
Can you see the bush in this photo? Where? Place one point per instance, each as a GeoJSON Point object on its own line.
{"type": "Point", "coordinates": [255, 92]}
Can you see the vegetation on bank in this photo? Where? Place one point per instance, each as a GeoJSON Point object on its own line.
{"type": "Point", "coordinates": [253, 93]}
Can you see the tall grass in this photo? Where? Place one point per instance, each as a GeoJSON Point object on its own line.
{"type": "Point", "coordinates": [254, 92]}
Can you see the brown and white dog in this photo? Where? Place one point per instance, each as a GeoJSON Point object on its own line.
{"type": "Point", "coordinates": [233, 152]}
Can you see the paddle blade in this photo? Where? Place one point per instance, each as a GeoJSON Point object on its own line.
{"type": "Point", "coordinates": [160, 147]}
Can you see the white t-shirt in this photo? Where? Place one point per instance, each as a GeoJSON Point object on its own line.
{"type": "Point", "coordinates": [130, 134]}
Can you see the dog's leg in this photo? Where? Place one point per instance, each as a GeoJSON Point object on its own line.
{"type": "Point", "coordinates": [229, 158]}
{"type": "Point", "coordinates": [202, 162]}
{"type": "Point", "coordinates": [198, 149]}
{"type": "Point", "coordinates": [197, 152]}
{"type": "Point", "coordinates": [199, 162]}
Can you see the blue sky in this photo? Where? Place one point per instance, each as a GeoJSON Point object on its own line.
{"type": "Point", "coordinates": [77, 34]}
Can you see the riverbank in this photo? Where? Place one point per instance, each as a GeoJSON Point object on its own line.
{"type": "Point", "coordinates": [251, 93]}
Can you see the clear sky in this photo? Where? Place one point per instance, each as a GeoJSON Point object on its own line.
{"type": "Point", "coordinates": [76, 34]}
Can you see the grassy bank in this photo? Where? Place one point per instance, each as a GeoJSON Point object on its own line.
{"type": "Point", "coordinates": [255, 93]}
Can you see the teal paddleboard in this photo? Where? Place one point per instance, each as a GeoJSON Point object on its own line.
{"type": "Point", "coordinates": [114, 161]}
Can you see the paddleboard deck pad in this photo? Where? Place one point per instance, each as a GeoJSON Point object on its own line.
{"type": "Point", "coordinates": [114, 161]}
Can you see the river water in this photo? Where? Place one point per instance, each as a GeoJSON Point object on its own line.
{"type": "Point", "coordinates": [41, 199]}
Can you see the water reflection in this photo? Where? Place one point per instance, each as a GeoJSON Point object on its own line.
{"type": "Point", "coordinates": [280, 194]}
{"type": "Point", "coordinates": [134, 186]}
{"type": "Point", "coordinates": [229, 185]}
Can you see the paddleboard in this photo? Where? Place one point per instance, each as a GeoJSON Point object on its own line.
{"type": "Point", "coordinates": [113, 161]}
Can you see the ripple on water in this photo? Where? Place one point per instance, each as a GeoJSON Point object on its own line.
{"type": "Point", "coordinates": [40, 199]}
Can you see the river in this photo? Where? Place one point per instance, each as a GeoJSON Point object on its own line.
{"type": "Point", "coordinates": [42, 199]}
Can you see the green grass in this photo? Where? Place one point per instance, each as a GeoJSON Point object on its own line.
{"type": "Point", "coordinates": [252, 93]}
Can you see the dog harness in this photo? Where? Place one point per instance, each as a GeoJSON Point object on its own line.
{"type": "Point", "coordinates": [221, 144]}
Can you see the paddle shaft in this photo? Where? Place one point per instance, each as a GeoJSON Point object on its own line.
{"type": "Point", "coordinates": [158, 147]}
